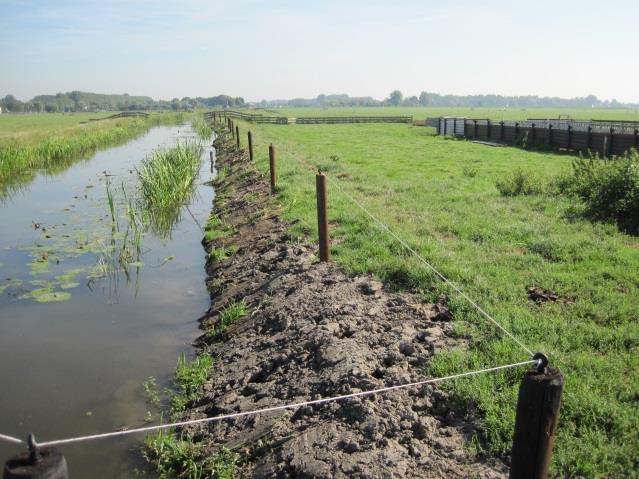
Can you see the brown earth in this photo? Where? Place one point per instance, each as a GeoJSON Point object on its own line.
{"type": "Point", "coordinates": [311, 332]}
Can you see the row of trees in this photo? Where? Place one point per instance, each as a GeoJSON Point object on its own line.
{"type": "Point", "coordinates": [396, 98]}
{"type": "Point", "coordinates": [76, 101]}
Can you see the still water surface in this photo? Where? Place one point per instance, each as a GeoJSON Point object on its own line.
{"type": "Point", "coordinates": [76, 367]}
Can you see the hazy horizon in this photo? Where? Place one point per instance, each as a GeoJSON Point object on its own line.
{"type": "Point", "coordinates": [285, 49]}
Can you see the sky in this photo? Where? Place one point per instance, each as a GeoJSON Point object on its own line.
{"type": "Point", "coordinates": [273, 49]}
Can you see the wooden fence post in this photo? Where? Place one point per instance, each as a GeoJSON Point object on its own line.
{"type": "Point", "coordinates": [237, 136]}
{"type": "Point", "coordinates": [475, 132]}
{"type": "Point", "coordinates": [610, 147]}
{"type": "Point", "coordinates": [533, 134]}
{"type": "Point", "coordinates": [250, 145]}
{"type": "Point", "coordinates": [455, 126]}
{"type": "Point", "coordinates": [536, 422]}
{"type": "Point", "coordinates": [322, 217]}
{"type": "Point", "coordinates": [516, 130]}
{"type": "Point", "coordinates": [272, 166]}
{"type": "Point", "coordinates": [37, 463]}
{"type": "Point", "coordinates": [549, 134]}
{"type": "Point", "coordinates": [589, 143]}
{"type": "Point", "coordinates": [636, 137]}
{"type": "Point", "coordinates": [501, 130]}
{"type": "Point", "coordinates": [570, 137]}
{"type": "Point", "coordinates": [445, 121]}
{"type": "Point", "coordinates": [488, 129]}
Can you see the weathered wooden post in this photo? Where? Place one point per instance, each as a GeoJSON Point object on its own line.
{"type": "Point", "coordinates": [611, 145]}
{"type": "Point", "coordinates": [237, 136]}
{"type": "Point", "coordinates": [533, 134]}
{"type": "Point", "coordinates": [636, 142]}
{"type": "Point", "coordinates": [549, 134]}
{"type": "Point", "coordinates": [516, 130]}
{"type": "Point", "coordinates": [501, 130]}
{"type": "Point", "coordinates": [250, 145]}
{"type": "Point", "coordinates": [475, 129]}
{"type": "Point", "coordinates": [272, 166]}
{"type": "Point", "coordinates": [536, 421]}
{"type": "Point", "coordinates": [37, 463]}
{"type": "Point", "coordinates": [569, 137]}
{"type": "Point", "coordinates": [589, 144]}
{"type": "Point", "coordinates": [322, 217]}
{"type": "Point", "coordinates": [488, 129]}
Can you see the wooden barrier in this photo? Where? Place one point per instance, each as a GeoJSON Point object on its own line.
{"type": "Point", "coordinates": [604, 138]}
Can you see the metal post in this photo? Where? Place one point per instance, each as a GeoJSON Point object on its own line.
{"type": "Point", "coordinates": [322, 217]}
{"type": "Point", "coordinates": [536, 422]}
{"type": "Point", "coordinates": [272, 166]}
{"type": "Point", "coordinates": [250, 145]}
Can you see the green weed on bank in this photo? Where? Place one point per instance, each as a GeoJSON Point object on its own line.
{"type": "Point", "coordinates": [441, 197]}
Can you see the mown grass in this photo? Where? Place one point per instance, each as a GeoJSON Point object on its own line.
{"type": "Point", "coordinates": [440, 195]}
{"type": "Point", "coordinates": [53, 147]}
{"type": "Point", "coordinates": [419, 113]}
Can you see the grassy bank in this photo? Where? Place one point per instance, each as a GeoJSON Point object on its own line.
{"type": "Point", "coordinates": [37, 142]}
{"type": "Point", "coordinates": [441, 196]}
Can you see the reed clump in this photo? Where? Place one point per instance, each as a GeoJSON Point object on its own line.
{"type": "Point", "coordinates": [166, 180]}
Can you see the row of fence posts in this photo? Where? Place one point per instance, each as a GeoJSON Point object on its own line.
{"type": "Point", "coordinates": [538, 401]}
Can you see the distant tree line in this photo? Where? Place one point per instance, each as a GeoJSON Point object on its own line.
{"type": "Point", "coordinates": [82, 101]}
{"type": "Point", "coordinates": [77, 101]}
{"type": "Point", "coordinates": [396, 98]}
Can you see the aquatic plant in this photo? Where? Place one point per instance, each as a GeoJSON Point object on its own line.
{"type": "Point", "coordinates": [166, 181]}
{"type": "Point", "coordinates": [202, 128]}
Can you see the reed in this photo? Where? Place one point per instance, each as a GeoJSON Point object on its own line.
{"type": "Point", "coordinates": [166, 180]}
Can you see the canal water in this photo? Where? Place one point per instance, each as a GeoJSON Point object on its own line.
{"type": "Point", "coordinates": [78, 339]}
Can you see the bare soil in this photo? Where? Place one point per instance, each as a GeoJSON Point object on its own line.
{"type": "Point", "coordinates": [311, 332]}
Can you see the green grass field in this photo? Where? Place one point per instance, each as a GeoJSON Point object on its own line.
{"type": "Point", "coordinates": [420, 113]}
{"type": "Point", "coordinates": [31, 127]}
{"type": "Point", "coordinates": [440, 196]}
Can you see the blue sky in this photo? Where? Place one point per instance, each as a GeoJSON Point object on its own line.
{"type": "Point", "coordinates": [285, 49]}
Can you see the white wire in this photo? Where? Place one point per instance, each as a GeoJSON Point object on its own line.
{"type": "Point", "coordinates": [280, 408]}
{"type": "Point", "coordinates": [14, 440]}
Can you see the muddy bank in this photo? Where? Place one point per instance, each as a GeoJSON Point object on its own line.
{"type": "Point", "coordinates": [311, 331]}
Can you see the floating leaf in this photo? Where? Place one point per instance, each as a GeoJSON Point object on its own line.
{"type": "Point", "coordinates": [47, 295]}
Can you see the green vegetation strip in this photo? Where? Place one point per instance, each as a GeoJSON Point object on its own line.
{"type": "Point", "coordinates": [177, 455]}
{"type": "Point", "coordinates": [440, 195]}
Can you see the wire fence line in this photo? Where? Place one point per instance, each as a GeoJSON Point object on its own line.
{"type": "Point", "coordinates": [126, 432]}
{"type": "Point", "coordinates": [10, 439]}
